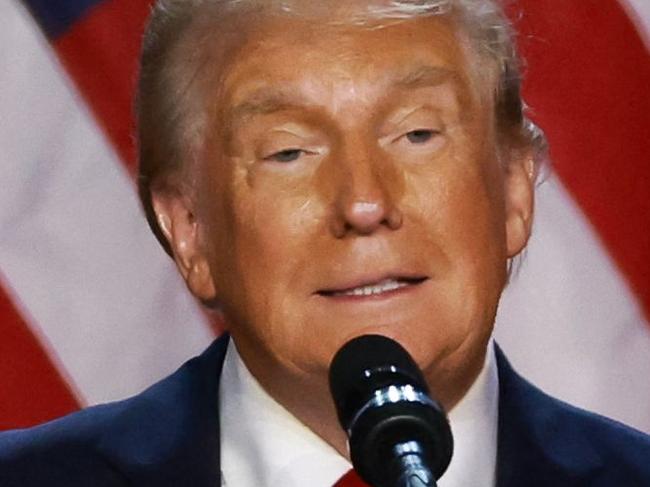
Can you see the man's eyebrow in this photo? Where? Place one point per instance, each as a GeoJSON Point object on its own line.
{"type": "Point", "coordinates": [264, 102]}
{"type": "Point", "coordinates": [423, 76]}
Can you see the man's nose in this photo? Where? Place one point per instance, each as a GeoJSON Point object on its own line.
{"type": "Point", "coordinates": [366, 197]}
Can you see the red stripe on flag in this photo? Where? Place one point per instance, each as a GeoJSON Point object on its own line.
{"type": "Point", "coordinates": [31, 389]}
{"type": "Point", "coordinates": [101, 54]}
{"type": "Point", "coordinates": [588, 81]}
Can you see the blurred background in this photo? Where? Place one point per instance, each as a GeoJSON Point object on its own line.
{"type": "Point", "coordinates": [91, 309]}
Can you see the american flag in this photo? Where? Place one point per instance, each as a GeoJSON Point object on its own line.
{"type": "Point", "coordinates": [92, 310]}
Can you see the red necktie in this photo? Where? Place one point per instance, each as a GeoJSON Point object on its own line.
{"type": "Point", "coordinates": [350, 479]}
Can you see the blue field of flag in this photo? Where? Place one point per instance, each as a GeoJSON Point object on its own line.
{"type": "Point", "coordinates": [57, 16]}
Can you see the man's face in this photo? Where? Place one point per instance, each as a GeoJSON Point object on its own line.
{"type": "Point", "coordinates": [350, 184]}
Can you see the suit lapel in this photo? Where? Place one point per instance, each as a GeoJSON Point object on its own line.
{"type": "Point", "coordinates": [538, 443]}
{"type": "Point", "coordinates": [169, 435]}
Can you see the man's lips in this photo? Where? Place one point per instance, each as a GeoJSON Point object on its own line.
{"type": "Point", "coordinates": [373, 287]}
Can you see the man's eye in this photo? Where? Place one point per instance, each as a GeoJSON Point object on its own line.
{"type": "Point", "coordinates": [420, 136]}
{"type": "Point", "coordinates": [287, 155]}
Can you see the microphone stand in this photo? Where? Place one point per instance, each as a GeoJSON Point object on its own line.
{"type": "Point", "coordinates": [412, 471]}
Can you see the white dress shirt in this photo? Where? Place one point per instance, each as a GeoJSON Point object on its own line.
{"type": "Point", "coordinates": [262, 444]}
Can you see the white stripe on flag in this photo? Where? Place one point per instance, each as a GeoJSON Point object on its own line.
{"type": "Point", "coordinates": [639, 11]}
{"type": "Point", "coordinates": [73, 244]}
{"type": "Point", "coordinates": [569, 322]}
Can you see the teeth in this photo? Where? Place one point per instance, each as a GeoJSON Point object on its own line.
{"type": "Point", "coordinates": [382, 287]}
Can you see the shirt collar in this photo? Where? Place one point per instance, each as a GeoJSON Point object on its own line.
{"type": "Point", "coordinates": [474, 423]}
{"type": "Point", "coordinates": [263, 444]}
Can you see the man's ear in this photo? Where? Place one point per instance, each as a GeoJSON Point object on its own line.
{"type": "Point", "coordinates": [519, 199]}
{"type": "Point", "coordinates": [178, 223]}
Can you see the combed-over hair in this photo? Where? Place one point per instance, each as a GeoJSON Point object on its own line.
{"type": "Point", "coordinates": [169, 126]}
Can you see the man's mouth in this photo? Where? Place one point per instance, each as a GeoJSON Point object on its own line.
{"type": "Point", "coordinates": [378, 288]}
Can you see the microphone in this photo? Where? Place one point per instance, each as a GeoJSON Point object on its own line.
{"type": "Point", "coordinates": [398, 434]}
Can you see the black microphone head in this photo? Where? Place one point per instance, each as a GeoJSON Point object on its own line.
{"type": "Point", "coordinates": [366, 364]}
{"type": "Point", "coordinates": [382, 401]}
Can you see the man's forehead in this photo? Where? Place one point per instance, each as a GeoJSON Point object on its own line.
{"type": "Point", "coordinates": [421, 51]}
{"type": "Point", "coordinates": [232, 23]}
{"type": "Point", "coordinates": [271, 55]}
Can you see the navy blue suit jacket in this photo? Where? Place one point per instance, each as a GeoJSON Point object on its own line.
{"type": "Point", "coordinates": [169, 436]}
